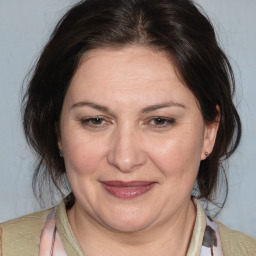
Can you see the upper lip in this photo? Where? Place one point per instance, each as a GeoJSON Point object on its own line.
{"type": "Point", "coordinates": [117, 183]}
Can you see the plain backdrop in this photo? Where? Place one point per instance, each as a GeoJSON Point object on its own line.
{"type": "Point", "coordinates": [25, 26]}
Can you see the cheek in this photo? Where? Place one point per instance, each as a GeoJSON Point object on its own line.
{"type": "Point", "coordinates": [179, 154]}
{"type": "Point", "coordinates": [82, 155]}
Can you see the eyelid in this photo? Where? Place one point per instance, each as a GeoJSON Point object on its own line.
{"type": "Point", "coordinates": [168, 121]}
{"type": "Point", "coordinates": [85, 121]}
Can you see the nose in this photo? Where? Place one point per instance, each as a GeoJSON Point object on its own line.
{"type": "Point", "coordinates": [126, 153]}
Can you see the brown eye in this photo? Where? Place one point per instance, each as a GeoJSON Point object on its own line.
{"type": "Point", "coordinates": [161, 122]}
{"type": "Point", "coordinates": [95, 122]}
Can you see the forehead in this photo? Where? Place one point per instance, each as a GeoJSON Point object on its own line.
{"type": "Point", "coordinates": [132, 61]}
{"type": "Point", "coordinates": [135, 71]}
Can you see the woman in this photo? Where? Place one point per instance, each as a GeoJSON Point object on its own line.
{"type": "Point", "coordinates": [130, 104]}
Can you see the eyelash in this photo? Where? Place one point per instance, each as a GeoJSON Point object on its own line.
{"type": "Point", "coordinates": [89, 122]}
{"type": "Point", "coordinates": [166, 122]}
{"type": "Point", "coordinates": [103, 122]}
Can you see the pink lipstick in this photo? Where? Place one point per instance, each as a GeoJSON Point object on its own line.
{"type": "Point", "coordinates": [127, 190]}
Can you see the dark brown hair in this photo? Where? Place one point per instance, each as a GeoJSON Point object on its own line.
{"type": "Point", "coordinates": [174, 26]}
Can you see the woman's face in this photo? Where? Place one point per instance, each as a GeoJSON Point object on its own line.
{"type": "Point", "coordinates": [132, 137]}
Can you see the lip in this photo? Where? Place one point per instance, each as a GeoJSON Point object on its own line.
{"type": "Point", "coordinates": [127, 190]}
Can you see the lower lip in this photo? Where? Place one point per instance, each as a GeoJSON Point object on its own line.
{"type": "Point", "coordinates": [127, 192]}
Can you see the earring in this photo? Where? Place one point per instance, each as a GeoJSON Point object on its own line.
{"type": "Point", "coordinates": [60, 153]}
{"type": "Point", "coordinates": [206, 153]}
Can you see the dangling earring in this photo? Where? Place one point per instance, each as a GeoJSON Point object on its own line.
{"type": "Point", "coordinates": [60, 153]}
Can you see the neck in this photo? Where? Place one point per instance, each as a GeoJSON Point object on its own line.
{"type": "Point", "coordinates": [168, 237]}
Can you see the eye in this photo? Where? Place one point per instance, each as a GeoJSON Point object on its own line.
{"type": "Point", "coordinates": [95, 122]}
{"type": "Point", "coordinates": [161, 122]}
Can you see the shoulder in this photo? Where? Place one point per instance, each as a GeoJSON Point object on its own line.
{"type": "Point", "coordinates": [236, 243]}
{"type": "Point", "coordinates": [25, 231]}
{"type": "Point", "coordinates": [25, 224]}
{"type": "Point", "coordinates": [26, 219]}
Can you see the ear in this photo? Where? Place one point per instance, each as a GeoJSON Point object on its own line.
{"type": "Point", "coordinates": [59, 144]}
{"type": "Point", "coordinates": [210, 135]}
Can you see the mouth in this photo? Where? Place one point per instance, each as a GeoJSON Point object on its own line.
{"type": "Point", "coordinates": [127, 190]}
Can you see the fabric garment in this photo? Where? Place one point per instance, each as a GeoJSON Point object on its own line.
{"type": "Point", "coordinates": [211, 245]}
{"type": "Point", "coordinates": [32, 232]}
{"type": "Point", "coordinates": [50, 242]}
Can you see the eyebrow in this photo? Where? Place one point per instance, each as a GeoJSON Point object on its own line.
{"type": "Point", "coordinates": [159, 106]}
{"type": "Point", "coordinates": [105, 109]}
{"type": "Point", "coordinates": [91, 105]}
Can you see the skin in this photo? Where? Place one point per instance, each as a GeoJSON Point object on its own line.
{"type": "Point", "coordinates": [129, 143]}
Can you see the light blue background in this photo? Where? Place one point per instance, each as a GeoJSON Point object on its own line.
{"type": "Point", "coordinates": [24, 28]}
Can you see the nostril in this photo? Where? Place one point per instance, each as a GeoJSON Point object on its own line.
{"type": "Point", "coordinates": [126, 160]}
{"type": "Point", "coordinates": [125, 153]}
